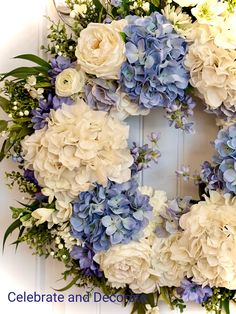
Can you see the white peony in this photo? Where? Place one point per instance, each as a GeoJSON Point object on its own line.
{"type": "Point", "coordinates": [186, 3]}
{"type": "Point", "coordinates": [69, 82]}
{"type": "Point", "coordinates": [78, 148]}
{"type": "Point", "coordinates": [128, 264]}
{"type": "Point", "coordinates": [208, 243]}
{"type": "Point", "coordinates": [165, 268]}
{"type": "Point", "coordinates": [101, 49]}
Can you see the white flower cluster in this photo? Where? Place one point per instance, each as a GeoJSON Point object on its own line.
{"type": "Point", "coordinates": [207, 246]}
{"type": "Point", "coordinates": [211, 57]}
{"type": "Point", "coordinates": [79, 147]}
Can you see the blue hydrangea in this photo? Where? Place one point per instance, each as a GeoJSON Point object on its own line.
{"type": "Point", "coordinates": [225, 145]}
{"type": "Point", "coordinates": [154, 74]}
{"type": "Point", "coordinates": [110, 215]}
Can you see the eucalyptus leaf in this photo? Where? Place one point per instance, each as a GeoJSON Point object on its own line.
{"type": "Point", "coordinates": [35, 59]}
{"type": "Point", "coordinates": [3, 125]}
{"type": "Point", "coordinates": [16, 224]}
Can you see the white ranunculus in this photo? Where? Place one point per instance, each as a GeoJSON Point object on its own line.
{"type": "Point", "coordinates": [167, 270]}
{"type": "Point", "coordinates": [42, 215]}
{"type": "Point", "coordinates": [208, 242]}
{"type": "Point", "coordinates": [101, 49]}
{"type": "Point", "coordinates": [80, 146]}
{"type": "Point", "coordinates": [128, 264]}
{"type": "Point", "coordinates": [186, 3]}
{"type": "Point", "coordinates": [69, 82]}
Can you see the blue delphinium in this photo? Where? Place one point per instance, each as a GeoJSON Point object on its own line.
{"type": "Point", "coordinates": [154, 74]}
{"type": "Point", "coordinates": [110, 215]}
{"type": "Point", "coordinates": [58, 64]}
{"type": "Point", "coordinates": [101, 94]}
{"type": "Point", "coordinates": [192, 292]}
{"type": "Point", "coordinates": [145, 154]}
{"type": "Point", "coordinates": [84, 256]}
{"type": "Point", "coordinates": [40, 114]}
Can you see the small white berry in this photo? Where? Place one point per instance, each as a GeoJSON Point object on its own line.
{"type": "Point", "coordinates": [21, 114]}
{"type": "Point", "coordinates": [52, 253]}
{"type": "Point", "coordinates": [60, 246]}
{"type": "Point", "coordinates": [64, 256]}
{"type": "Point", "coordinates": [15, 108]}
{"type": "Point", "coordinates": [57, 240]}
{"type": "Point", "coordinates": [26, 112]}
{"type": "Point", "coordinates": [59, 53]}
{"type": "Point", "coordinates": [10, 115]}
{"type": "Point", "coordinates": [71, 47]}
{"type": "Point", "coordinates": [15, 102]}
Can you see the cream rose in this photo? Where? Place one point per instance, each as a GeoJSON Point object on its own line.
{"type": "Point", "coordinates": [101, 49]}
{"type": "Point", "coordinates": [128, 264]}
{"type": "Point", "coordinates": [69, 82]}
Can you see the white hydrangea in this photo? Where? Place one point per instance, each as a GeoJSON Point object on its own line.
{"type": "Point", "coordinates": [79, 147]}
{"type": "Point", "coordinates": [208, 244]}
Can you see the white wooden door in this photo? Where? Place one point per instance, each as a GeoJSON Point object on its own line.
{"type": "Point", "coordinates": [22, 30]}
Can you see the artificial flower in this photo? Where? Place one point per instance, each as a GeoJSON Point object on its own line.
{"type": "Point", "coordinates": [69, 81]}
{"type": "Point", "coordinates": [101, 50]}
{"type": "Point", "coordinates": [78, 148]}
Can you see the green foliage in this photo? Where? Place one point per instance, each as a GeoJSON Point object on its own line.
{"type": "Point", "coordinates": [218, 303]}
{"type": "Point", "coordinates": [15, 225]}
{"type": "Point", "coordinates": [61, 43]}
{"type": "Point", "coordinates": [24, 185]}
{"type": "Point", "coordinates": [30, 57]}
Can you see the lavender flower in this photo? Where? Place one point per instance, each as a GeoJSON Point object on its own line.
{"type": "Point", "coordinates": [40, 114]}
{"type": "Point", "coordinates": [144, 155]}
{"type": "Point", "coordinates": [101, 94]}
{"type": "Point", "coordinates": [111, 215]}
{"type": "Point", "coordinates": [29, 176]}
{"type": "Point", "coordinates": [116, 3]}
{"type": "Point", "coordinates": [192, 292]}
{"type": "Point", "coordinates": [84, 256]}
{"type": "Point", "coordinates": [58, 65]}
{"type": "Point", "coordinates": [154, 74]}
{"type": "Point", "coordinates": [171, 216]}
{"type": "Point", "coordinates": [210, 175]}
{"type": "Point", "coordinates": [225, 143]}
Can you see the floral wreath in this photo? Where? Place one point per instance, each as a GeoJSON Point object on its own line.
{"type": "Point", "coordinates": [66, 131]}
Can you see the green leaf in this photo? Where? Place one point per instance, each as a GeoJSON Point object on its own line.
{"type": "Point", "coordinates": [7, 145]}
{"type": "Point", "coordinates": [4, 103]}
{"type": "Point", "coordinates": [43, 84]}
{"type": "Point", "coordinates": [18, 241]}
{"type": "Point", "coordinates": [3, 125]}
{"type": "Point", "coordinates": [123, 35]}
{"type": "Point", "coordinates": [24, 72]}
{"type": "Point", "coordinates": [71, 284]}
{"type": "Point", "coordinates": [35, 59]}
{"type": "Point", "coordinates": [16, 224]}
{"type": "Point", "coordinates": [156, 3]}
{"type": "Point", "coordinates": [226, 306]}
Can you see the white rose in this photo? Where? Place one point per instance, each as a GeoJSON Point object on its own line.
{"type": "Point", "coordinates": [127, 264]}
{"type": "Point", "coordinates": [186, 3]}
{"type": "Point", "coordinates": [69, 82]}
{"type": "Point", "coordinates": [101, 50]}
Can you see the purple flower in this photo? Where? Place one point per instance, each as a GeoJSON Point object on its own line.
{"type": "Point", "coordinates": [58, 65]}
{"type": "Point", "coordinates": [29, 176]}
{"type": "Point", "coordinates": [211, 176]}
{"type": "Point", "coordinates": [191, 292]}
{"type": "Point", "coordinates": [116, 3]}
{"type": "Point", "coordinates": [84, 256]}
{"type": "Point", "coordinates": [171, 216]}
{"type": "Point", "coordinates": [101, 94]}
{"type": "Point", "coordinates": [154, 74]}
{"type": "Point", "coordinates": [40, 114]}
